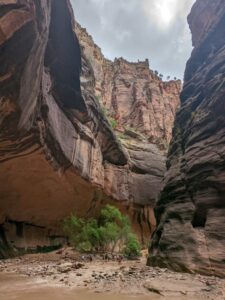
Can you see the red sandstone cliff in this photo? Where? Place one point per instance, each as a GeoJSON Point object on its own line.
{"type": "Point", "coordinates": [132, 94]}
{"type": "Point", "coordinates": [191, 210]}
{"type": "Point", "coordinates": [58, 152]}
{"type": "Point", "coordinates": [54, 140]}
{"type": "Point", "coordinates": [141, 109]}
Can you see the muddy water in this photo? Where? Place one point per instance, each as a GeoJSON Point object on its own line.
{"type": "Point", "coordinates": [13, 287]}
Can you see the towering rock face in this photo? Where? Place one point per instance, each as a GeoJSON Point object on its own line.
{"type": "Point", "coordinates": [141, 109]}
{"type": "Point", "coordinates": [132, 94]}
{"type": "Point", "coordinates": [58, 151]}
{"type": "Point", "coordinates": [191, 210]}
{"type": "Point", "coordinates": [54, 140]}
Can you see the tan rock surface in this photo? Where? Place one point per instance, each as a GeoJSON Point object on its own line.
{"type": "Point", "coordinates": [141, 109]}
{"type": "Point", "coordinates": [132, 93]}
{"type": "Point", "coordinates": [54, 138]}
{"type": "Point", "coordinates": [58, 152]}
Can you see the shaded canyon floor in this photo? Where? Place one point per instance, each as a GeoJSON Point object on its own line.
{"type": "Point", "coordinates": [65, 275]}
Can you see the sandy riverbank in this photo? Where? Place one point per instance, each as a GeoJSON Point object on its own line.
{"type": "Point", "coordinates": [66, 270]}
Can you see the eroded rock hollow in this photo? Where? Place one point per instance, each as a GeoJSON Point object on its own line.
{"type": "Point", "coordinates": [58, 152]}
{"type": "Point", "coordinates": [190, 214]}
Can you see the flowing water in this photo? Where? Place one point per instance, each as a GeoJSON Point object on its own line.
{"type": "Point", "coordinates": [13, 287]}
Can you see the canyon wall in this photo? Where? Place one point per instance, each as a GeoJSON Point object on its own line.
{"type": "Point", "coordinates": [58, 151]}
{"type": "Point", "coordinates": [132, 94]}
{"type": "Point", "coordinates": [141, 108]}
{"type": "Point", "coordinates": [190, 214]}
{"type": "Point", "coordinates": [54, 140]}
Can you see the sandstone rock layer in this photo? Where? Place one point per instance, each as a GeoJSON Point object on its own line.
{"type": "Point", "coordinates": [191, 211]}
{"type": "Point", "coordinates": [132, 94]}
{"type": "Point", "coordinates": [141, 109]}
{"type": "Point", "coordinates": [58, 152]}
{"type": "Point", "coordinates": [53, 138]}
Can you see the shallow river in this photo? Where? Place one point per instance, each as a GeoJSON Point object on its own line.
{"type": "Point", "coordinates": [13, 287]}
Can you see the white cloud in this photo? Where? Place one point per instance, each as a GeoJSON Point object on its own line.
{"type": "Point", "coordinates": [164, 13]}
{"type": "Point", "coordinates": [139, 29]}
{"type": "Point", "coordinates": [161, 12]}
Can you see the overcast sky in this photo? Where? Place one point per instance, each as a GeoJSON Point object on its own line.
{"type": "Point", "coordinates": [139, 29]}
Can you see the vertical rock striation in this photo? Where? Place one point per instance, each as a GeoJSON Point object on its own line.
{"type": "Point", "coordinates": [58, 152]}
{"type": "Point", "coordinates": [54, 139]}
{"type": "Point", "coordinates": [132, 94]}
{"type": "Point", "coordinates": [141, 109]}
{"type": "Point", "coordinates": [190, 214]}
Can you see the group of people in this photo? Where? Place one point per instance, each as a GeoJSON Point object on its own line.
{"type": "Point", "coordinates": [113, 257]}
{"type": "Point", "coordinates": [87, 258]}
{"type": "Point", "coordinates": [106, 257]}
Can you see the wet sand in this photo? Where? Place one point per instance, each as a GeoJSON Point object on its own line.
{"type": "Point", "coordinates": [17, 287]}
{"type": "Point", "coordinates": [64, 276]}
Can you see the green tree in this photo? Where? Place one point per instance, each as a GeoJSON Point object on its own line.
{"type": "Point", "coordinates": [110, 213]}
{"type": "Point", "coordinates": [83, 235]}
{"type": "Point", "coordinates": [132, 248]}
{"type": "Point", "coordinates": [110, 229]}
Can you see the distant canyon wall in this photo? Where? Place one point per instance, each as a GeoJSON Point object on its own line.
{"type": "Point", "coordinates": [132, 94]}
{"type": "Point", "coordinates": [141, 108]}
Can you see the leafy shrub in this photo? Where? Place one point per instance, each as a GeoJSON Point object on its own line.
{"type": "Point", "coordinates": [83, 235]}
{"type": "Point", "coordinates": [105, 233]}
{"type": "Point", "coordinates": [132, 248]}
{"type": "Point", "coordinates": [103, 110]}
{"type": "Point", "coordinates": [110, 213]}
{"type": "Point", "coordinates": [112, 122]}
